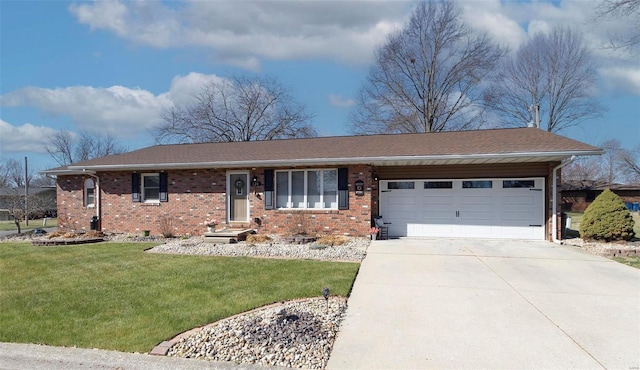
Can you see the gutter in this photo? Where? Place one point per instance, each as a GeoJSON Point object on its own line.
{"type": "Point", "coordinates": [381, 161]}
{"type": "Point", "coordinates": [554, 202]}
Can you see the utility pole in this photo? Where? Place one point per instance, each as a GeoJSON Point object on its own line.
{"type": "Point", "coordinates": [26, 194]}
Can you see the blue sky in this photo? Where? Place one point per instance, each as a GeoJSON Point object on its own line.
{"type": "Point", "coordinates": [113, 66]}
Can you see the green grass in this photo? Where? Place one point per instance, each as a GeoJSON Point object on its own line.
{"type": "Point", "coordinates": [116, 296]}
{"type": "Point", "coordinates": [33, 224]}
{"type": "Point", "coordinates": [633, 261]}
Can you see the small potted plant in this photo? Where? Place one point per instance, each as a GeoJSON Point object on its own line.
{"type": "Point", "coordinates": [211, 224]}
{"type": "Point", "coordinates": [374, 233]}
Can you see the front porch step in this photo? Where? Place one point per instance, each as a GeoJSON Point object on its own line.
{"type": "Point", "coordinates": [227, 236]}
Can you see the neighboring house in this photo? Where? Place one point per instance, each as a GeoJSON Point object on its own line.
{"type": "Point", "coordinates": [42, 201]}
{"type": "Point", "coordinates": [578, 195]}
{"type": "Point", "coordinates": [480, 184]}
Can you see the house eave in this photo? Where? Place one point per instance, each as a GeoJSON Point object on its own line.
{"type": "Point", "coordinates": [452, 159]}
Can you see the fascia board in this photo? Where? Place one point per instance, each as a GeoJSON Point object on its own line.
{"type": "Point", "coordinates": [323, 161]}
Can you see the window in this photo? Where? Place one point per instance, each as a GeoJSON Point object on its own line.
{"type": "Point", "coordinates": [89, 193]}
{"type": "Point", "coordinates": [438, 184]}
{"type": "Point", "coordinates": [395, 185]}
{"type": "Point", "coordinates": [481, 184]}
{"type": "Point", "coordinates": [506, 184]}
{"type": "Point", "coordinates": [307, 189]}
{"type": "Point", "coordinates": [150, 187]}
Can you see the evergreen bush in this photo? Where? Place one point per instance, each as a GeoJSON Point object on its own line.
{"type": "Point", "coordinates": [607, 219]}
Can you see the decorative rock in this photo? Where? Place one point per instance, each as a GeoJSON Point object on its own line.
{"type": "Point", "coordinates": [303, 343]}
{"type": "Point", "coordinates": [354, 251]}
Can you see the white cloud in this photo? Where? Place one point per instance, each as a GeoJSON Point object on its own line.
{"type": "Point", "coordinates": [340, 101]}
{"type": "Point", "coordinates": [491, 17]}
{"type": "Point", "coordinates": [620, 79]}
{"type": "Point", "coordinates": [116, 110]}
{"type": "Point", "coordinates": [119, 111]}
{"type": "Point", "coordinates": [245, 32]}
{"type": "Point", "coordinates": [25, 138]}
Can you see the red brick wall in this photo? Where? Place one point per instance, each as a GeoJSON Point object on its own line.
{"type": "Point", "coordinates": [72, 214]}
{"type": "Point", "coordinates": [194, 196]}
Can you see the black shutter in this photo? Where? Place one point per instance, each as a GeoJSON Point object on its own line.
{"type": "Point", "coordinates": [343, 188]}
{"type": "Point", "coordinates": [268, 189]}
{"type": "Point", "coordinates": [135, 187]}
{"type": "Point", "coordinates": [164, 187]}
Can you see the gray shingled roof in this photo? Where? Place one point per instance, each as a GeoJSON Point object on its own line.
{"type": "Point", "coordinates": [482, 146]}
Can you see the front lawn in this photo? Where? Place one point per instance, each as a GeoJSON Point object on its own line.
{"type": "Point", "coordinates": [33, 224]}
{"type": "Point", "coordinates": [633, 261]}
{"type": "Point", "coordinates": [116, 296]}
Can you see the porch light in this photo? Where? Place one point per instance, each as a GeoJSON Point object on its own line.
{"type": "Point", "coordinates": [255, 182]}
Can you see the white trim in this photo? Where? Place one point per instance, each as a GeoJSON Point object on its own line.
{"type": "Point", "coordinates": [305, 188]}
{"type": "Point", "coordinates": [86, 195]}
{"type": "Point", "coordinates": [142, 194]}
{"type": "Point", "coordinates": [381, 161]}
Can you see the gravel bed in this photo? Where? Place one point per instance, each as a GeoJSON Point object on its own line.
{"type": "Point", "coordinates": [354, 250]}
{"type": "Point", "coordinates": [297, 334]}
{"type": "Point", "coordinates": [613, 249]}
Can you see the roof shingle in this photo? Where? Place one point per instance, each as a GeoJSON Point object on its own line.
{"type": "Point", "coordinates": [458, 143]}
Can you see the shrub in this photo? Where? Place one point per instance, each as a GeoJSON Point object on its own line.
{"type": "Point", "coordinates": [257, 239]}
{"type": "Point", "coordinates": [333, 240]}
{"type": "Point", "coordinates": [607, 219]}
{"type": "Point", "coordinates": [166, 227]}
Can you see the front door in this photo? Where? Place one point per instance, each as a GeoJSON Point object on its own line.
{"type": "Point", "coordinates": [238, 196]}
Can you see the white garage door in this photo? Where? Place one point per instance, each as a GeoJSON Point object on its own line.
{"type": "Point", "coordinates": [481, 208]}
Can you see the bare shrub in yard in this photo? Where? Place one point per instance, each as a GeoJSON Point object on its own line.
{"type": "Point", "coordinates": [333, 240]}
{"type": "Point", "coordinates": [166, 227]}
{"type": "Point", "coordinates": [300, 225]}
{"type": "Point", "coordinates": [94, 234]}
{"type": "Point", "coordinates": [258, 239]}
{"type": "Point", "coordinates": [55, 234]}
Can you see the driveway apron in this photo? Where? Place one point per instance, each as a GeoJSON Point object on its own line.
{"type": "Point", "coordinates": [489, 304]}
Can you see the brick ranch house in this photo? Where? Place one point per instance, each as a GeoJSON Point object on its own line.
{"type": "Point", "coordinates": [501, 183]}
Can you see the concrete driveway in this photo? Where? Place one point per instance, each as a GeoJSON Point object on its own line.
{"type": "Point", "coordinates": [443, 303]}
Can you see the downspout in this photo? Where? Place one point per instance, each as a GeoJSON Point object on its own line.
{"type": "Point", "coordinates": [96, 193]}
{"type": "Point", "coordinates": [554, 202]}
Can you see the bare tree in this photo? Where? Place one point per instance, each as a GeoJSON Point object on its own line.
{"type": "Point", "coordinates": [66, 147]}
{"type": "Point", "coordinates": [238, 109]}
{"type": "Point", "coordinates": [4, 175]}
{"type": "Point", "coordinates": [552, 74]}
{"type": "Point", "coordinates": [627, 11]}
{"type": "Point", "coordinates": [616, 165]}
{"type": "Point", "coordinates": [585, 168]}
{"type": "Point", "coordinates": [37, 204]}
{"type": "Point", "coordinates": [12, 174]}
{"type": "Point", "coordinates": [630, 166]}
{"type": "Point", "coordinates": [611, 161]}
{"type": "Point", "coordinates": [427, 76]}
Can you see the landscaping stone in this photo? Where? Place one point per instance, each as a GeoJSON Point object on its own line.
{"type": "Point", "coordinates": [298, 334]}
{"type": "Point", "coordinates": [354, 250]}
